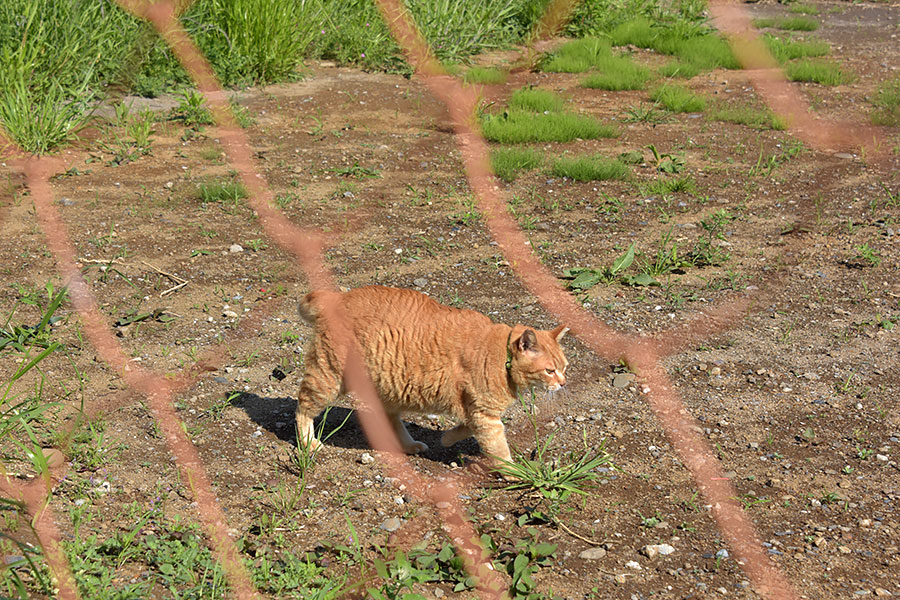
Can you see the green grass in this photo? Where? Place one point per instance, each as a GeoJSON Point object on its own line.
{"type": "Point", "coordinates": [705, 52]}
{"type": "Point", "coordinates": [803, 9]}
{"type": "Point", "coordinates": [599, 17]}
{"type": "Point", "coordinates": [356, 34]}
{"type": "Point", "coordinates": [887, 104]}
{"type": "Point", "coordinates": [785, 49]}
{"type": "Point", "coordinates": [678, 99]}
{"type": "Point", "coordinates": [818, 71]}
{"type": "Point", "coordinates": [589, 168]}
{"type": "Point", "coordinates": [58, 58]}
{"type": "Point", "coordinates": [26, 340]}
{"type": "Point", "coordinates": [618, 73]}
{"type": "Point", "coordinates": [664, 186]}
{"type": "Point", "coordinates": [787, 23]}
{"type": "Point", "coordinates": [509, 162]}
{"type": "Point", "coordinates": [692, 45]}
{"type": "Point", "coordinates": [485, 75]}
{"type": "Point", "coordinates": [745, 115]}
{"type": "Point", "coordinates": [555, 476]}
{"type": "Point", "coordinates": [639, 32]}
{"type": "Point", "coordinates": [577, 56]}
{"type": "Point", "coordinates": [535, 100]}
{"type": "Point", "coordinates": [222, 192]}
{"type": "Point", "coordinates": [517, 127]}
{"type": "Point", "coordinates": [679, 68]}
{"type": "Point", "coordinates": [593, 54]}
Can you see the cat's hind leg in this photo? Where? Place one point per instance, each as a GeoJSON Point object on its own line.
{"type": "Point", "coordinates": [457, 434]}
{"type": "Point", "coordinates": [319, 388]}
{"type": "Point", "coordinates": [409, 445]}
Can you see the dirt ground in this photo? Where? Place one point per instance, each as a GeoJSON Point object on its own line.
{"type": "Point", "coordinates": [798, 399]}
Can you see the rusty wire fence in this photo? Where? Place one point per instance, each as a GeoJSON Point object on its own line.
{"type": "Point", "coordinates": [643, 353]}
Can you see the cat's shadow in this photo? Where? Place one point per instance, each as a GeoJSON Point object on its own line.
{"type": "Point", "coordinates": [340, 426]}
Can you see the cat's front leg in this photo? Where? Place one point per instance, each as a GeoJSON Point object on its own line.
{"type": "Point", "coordinates": [491, 436]}
{"type": "Point", "coordinates": [306, 435]}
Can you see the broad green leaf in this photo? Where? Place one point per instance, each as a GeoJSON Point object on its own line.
{"type": "Point", "coordinates": [585, 280]}
{"type": "Point", "coordinates": [640, 279]}
{"type": "Point", "coordinates": [624, 261]}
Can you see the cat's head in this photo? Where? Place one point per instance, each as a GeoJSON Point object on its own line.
{"type": "Point", "coordinates": [536, 358]}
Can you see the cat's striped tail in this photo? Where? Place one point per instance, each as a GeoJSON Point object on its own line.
{"type": "Point", "coordinates": [311, 304]}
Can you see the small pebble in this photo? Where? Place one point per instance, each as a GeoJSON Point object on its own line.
{"type": "Point", "coordinates": [234, 248]}
{"type": "Point", "coordinates": [595, 553]}
{"type": "Point", "coordinates": [366, 458]}
{"type": "Point", "coordinates": [391, 524]}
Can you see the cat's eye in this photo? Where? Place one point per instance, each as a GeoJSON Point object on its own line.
{"type": "Point", "coordinates": [551, 371]}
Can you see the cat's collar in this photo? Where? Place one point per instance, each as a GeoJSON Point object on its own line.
{"type": "Point", "coordinates": [508, 351]}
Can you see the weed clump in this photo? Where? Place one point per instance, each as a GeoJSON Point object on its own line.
{"type": "Point", "coordinates": [787, 24]}
{"type": "Point", "coordinates": [590, 168]}
{"type": "Point", "coordinates": [485, 75]}
{"type": "Point", "coordinates": [818, 71]}
{"type": "Point", "coordinates": [887, 104]}
{"type": "Point", "coordinates": [785, 49]}
{"type": "Point", "coordinates": [508, 162]}
{"type": "Point", "coordinates": [678, 99]}
{"type": "Point", "coordinates": [751, 117]}
{"type": "Point", "coordinates": [577, 56]}
{"type": "Point", "coordinates": [535, 100]}
{"type": "Point", "coordinates": [618, 73]}
{"type": "Point", "coordinates": [518, 127]}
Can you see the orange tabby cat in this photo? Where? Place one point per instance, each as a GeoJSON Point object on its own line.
{"type": "Point", "coordinates": [423, 356]}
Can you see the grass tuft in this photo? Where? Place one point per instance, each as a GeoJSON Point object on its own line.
{"type": "Point", "coordinates": [751, 117]}
{"type": "Point", "coordinates": [691, 44]}
{"type": "Point", "coordinates": [679, 68]}
{"type": "Point", "coordinates": [222, 192]}
{"type": "Point", "coordinates": [818, 71]}
{"type": "Point", "coordinates": [787, 23]}
{"type": "Point", "coordinates": [535, 100]}
{"type": "Point", "coordinates": [517, 127]}
{"type": "Point", "coordinates": [678, 99]}
{"type": "Point", "coordinates": [508, 162]}
{"type": "Point", "coordinates": [590, 168]}
{"type": "Point", "coordinates": [664, 186]}
{"type": "Point", "coordinates": [785, 49]}
{"type": "Point", "coordinates": [556, 479]}
{"type": "Point", "coordinates": [887, 104]}
{"type": "Point", "coordinates": [577, 56]}
{"type": "Point", "coordinates": [704, 52]}
{"type": "Point", "coordinates": [803, 9]}
{"type": "Point", "coordinates": [618, 73]}
{"type": "Point", "coordinates": [485, 75]}
{"type": "Point", "coordinates": [639, 32]}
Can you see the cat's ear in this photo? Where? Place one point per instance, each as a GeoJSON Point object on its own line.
{"type": "Point", "coordinates": [527, 342]}
{"type": "Point", "coordinates": [559, 332]}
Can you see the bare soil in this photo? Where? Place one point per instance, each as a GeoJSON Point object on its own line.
{"type": "Point", "coordinates": [799, 398]}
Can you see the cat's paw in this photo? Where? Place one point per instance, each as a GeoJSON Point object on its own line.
{"type": "Point", "coordinates": [415, 447]}
{"type": "Point", "coordinates": [311, 445]}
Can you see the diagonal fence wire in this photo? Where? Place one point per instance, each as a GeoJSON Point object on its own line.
{"type": "Point", "coordinates": [643, 353]}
